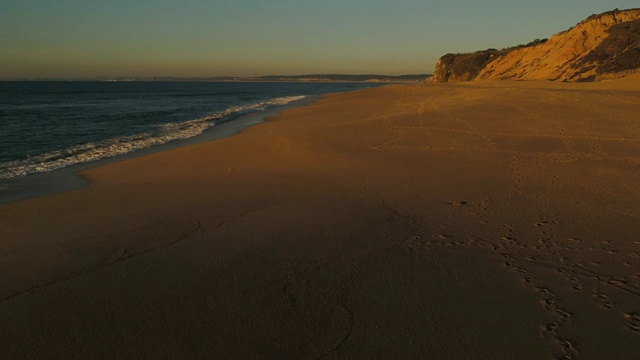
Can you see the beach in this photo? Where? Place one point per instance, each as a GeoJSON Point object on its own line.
{"type": "Point", "coordinates": [479, 220]}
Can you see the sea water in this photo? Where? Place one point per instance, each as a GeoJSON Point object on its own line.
{"type": "Point", "coordinates": [46, 126]}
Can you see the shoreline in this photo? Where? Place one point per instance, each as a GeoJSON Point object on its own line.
{"type": "Point", "coordinates": [68, 178]}
{"type": "Point", "coordinates": [495, 220]}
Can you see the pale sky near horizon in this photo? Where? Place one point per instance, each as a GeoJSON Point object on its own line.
{"type": "Point", "coordinates": [119, 38]}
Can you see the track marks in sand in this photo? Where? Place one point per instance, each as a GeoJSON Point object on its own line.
{"type": "Point", "coordinates": [554, 261]}
{"type": "Point", "coordinates": [554, 124]}
{"type": "Point", "coordinates": [395, 133]}
{"type": "Point", "coordinates": [550, 302]}
{"type": "Point", "coordinates": [457, 203]}
{"type": "Point", "coordinates": [441, 126]}
{"type": "Point", "coordinates": [596, 287]}
{"type": "Point", "coordinates": [433, 105]}
{"type": "Point", "coordinates": [303, 301]}
{"type": "Point", "coordinates": [518, 170]}
{"type": "Point", "coordinates": [121, 246]}
{"type": "Point", "coordinates": [609, 129]}
{"type": "Point", "coordinates": [633, 320]}
{"type": "Point", "coordinates": [552, 331]}
{"type": "Point", "coordinates": [114, 248]}
{"type": "Point", "coordinates": [544, 251]}
{"type": "Point", "coordinates": [435, 128]}
{"type": "Point", "coordinates": [510, 250]}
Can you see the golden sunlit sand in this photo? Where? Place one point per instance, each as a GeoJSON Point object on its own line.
{"type": "Point", "coordinates": [480, 220]}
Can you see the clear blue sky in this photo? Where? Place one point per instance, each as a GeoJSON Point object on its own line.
{"type": "Point", "coordinates": [91, 38]}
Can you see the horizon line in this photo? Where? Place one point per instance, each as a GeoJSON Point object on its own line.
{"type": "Point", "coordinates": [222, 77]}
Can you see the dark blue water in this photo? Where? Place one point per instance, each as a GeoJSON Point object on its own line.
{"type": "Point", "coordinates": [49, 125]}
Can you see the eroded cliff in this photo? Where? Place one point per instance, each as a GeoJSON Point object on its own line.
{"type": "Point", "coordinates": [463, 67]}
{"type": "Point", "coordinates": [602, 46]}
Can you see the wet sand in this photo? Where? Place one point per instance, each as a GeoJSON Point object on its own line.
{"type": "Point", "coordinates": [480, 220]}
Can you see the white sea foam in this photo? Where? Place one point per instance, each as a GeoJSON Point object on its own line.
{"type": "Point", "coordinates": [126, 144]}
{"type": "Point", "coordinates": [245, 109]}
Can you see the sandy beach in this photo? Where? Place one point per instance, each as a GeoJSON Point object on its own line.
{"type": "Point", "coordinates": [481, 220]}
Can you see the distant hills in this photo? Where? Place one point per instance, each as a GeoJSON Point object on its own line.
{"type": "Point", "coordinates": [267, 78]}
{"type": "Point", "coordinates": [603, 46]}
{"type": "Point", "coordinates": [342, 77]}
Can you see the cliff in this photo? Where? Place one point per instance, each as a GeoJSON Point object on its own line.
{"type": "Point", "coordinates": [602, 46]}
{"type": "Point", "coordinates": [463, 67]}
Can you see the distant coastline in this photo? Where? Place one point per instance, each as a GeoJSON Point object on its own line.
{"type": "Point", "coordinates": [266, 78]}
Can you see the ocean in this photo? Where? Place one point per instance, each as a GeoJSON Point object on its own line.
{"type": "Point", "coordinates": [45, 126]}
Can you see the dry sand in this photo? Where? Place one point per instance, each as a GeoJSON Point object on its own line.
{"type": "Point", "coordinates": [484, 220]}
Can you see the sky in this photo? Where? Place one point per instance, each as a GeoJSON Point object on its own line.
{"type": "Point", "coordinates": [200, 38]}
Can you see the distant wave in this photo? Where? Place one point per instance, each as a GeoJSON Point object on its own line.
{"type": "Point", "coordinates": [126, 144]}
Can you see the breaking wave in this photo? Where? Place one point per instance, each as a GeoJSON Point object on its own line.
{"type": "Point", "coordinates": [163, 134]}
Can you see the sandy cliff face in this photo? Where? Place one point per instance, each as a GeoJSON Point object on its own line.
{"type": "Point", "coordinates": [463, 67]}
{"type": "Point", "coordinates": [602, 46]}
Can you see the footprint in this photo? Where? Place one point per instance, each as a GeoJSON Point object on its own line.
{"type": "Point", "coordinates": [545, 291]}
{"type": "Point", "coordinates": [521, 270]}
{"type": "Point", "coordinates": [608, 305]}
{"type": "Point", "coordinates": [569, 349]}
{"type": "Point", "coordinates": [564, 314]}
{"type": "Point", "coordinates": [550, 301]}
{"type": "Point", "coordinates": [633, 320]}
